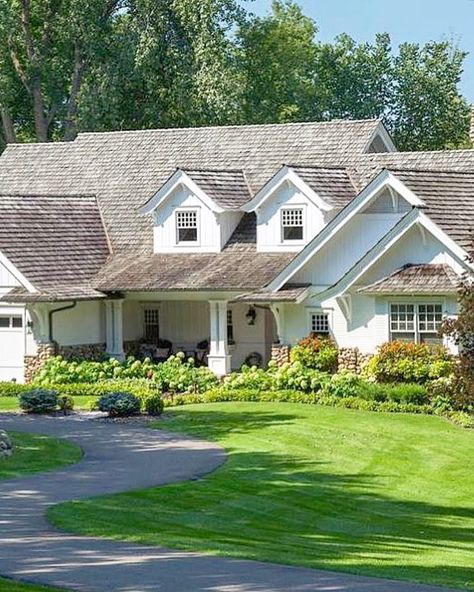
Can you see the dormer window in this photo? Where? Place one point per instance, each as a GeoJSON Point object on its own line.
{"type": "Point", "coordinates": [186, 226]}
{"type": "Point", "coordinates": [292, 224]}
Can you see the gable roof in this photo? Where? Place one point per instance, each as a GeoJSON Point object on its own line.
{"type": "Point", "coordinates": [53, 241]}
{"type": "Point", "coordinates": [229, 189]}
{"type": "Point", "coordinates": [424, 278]}
{"type": "Point", "coordinates": [125, 169]}
{"type": "Point", "coordinates": [332, 184]}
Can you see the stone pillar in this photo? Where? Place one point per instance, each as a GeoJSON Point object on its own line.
{"type": "Point", "coordinates": [219, 360]}
{"type": "Point", "coordinates": [280, 354]}
{"type": "Point", "coordinates": [114, 328]}
{"type": "Point", "coordinates": [352, 360]}
{"type": "Point", "coordinates": [33, 364]}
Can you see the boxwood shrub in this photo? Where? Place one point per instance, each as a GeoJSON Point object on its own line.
{"type": "Point", "coordinates": [119, 404]}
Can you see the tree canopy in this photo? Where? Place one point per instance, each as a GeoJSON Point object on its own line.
{"type": "Point", "coordinates": [67, 66]}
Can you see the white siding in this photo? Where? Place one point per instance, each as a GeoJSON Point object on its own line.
{"type": "Point", "coordinates": [214, 230]}
{"type": "Point", "coordinates": [338, 256]}
{"type": "Point", "coordinates": [84, 324]}
{"type": "Point", "coordinates": [269, 236]}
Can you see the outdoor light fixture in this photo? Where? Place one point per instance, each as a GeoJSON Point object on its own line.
{"type": "Point", "coordinates": [251, 316]}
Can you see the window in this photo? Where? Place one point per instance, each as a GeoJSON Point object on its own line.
{"type": "Point", "coordinates": [151, 325]}
{"type": "Point", "coordinates": [11, 321]}
{"type": "Point", "coordinates": [292, 224]}
{"type": "Point", "coordinates": [230, 327]}
{"type": "Point", "coordinates": [319, 323]}
{"type": "Point", "coordinates": [416, 322]}
{"type": "Point", "coordinates": [186, 226]}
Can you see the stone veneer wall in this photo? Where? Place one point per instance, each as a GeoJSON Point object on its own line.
{"type": "Point", "coordinates": [280, 353]}
{"type": "Point", "coordinates": [94, 351]}
{"type": "Point", "coordinates": [352, 359]}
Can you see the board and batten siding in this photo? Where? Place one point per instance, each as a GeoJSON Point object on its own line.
{"type": "Point", "coordinates": [269, 232]}
{"type": "Point", "coordinates": [214, 230]}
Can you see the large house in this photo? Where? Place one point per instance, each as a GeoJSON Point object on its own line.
{"type": "Point", "coordinates": [227, 242]}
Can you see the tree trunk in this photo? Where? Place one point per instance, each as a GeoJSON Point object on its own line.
{"type": "Point", "coordinates": [41, 121]}
{"type": "Point", "coordinates": [7, 126]}
{"type": "Point", "coordinates": [70, 127]}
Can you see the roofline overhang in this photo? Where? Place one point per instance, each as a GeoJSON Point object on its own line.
{"type": "Point", "coordinates": [17, 274]}
{"type": "Point", "coordinates": [177, 179]}
{"type": "Point", "coordinates": [286, 174]}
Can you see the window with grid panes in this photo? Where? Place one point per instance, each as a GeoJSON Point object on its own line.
{"type": "Point", "coordinates": [416, 322]}
{"type": "Point", "coordinates": [186, 226]}
{"type": "Point", "coordinates": [292, 224]}
{"type": "Point", "coordinates": [320, 323]}
{"type": "Point", "coordinates": [152, 325]}
{"type": "Point", "coordinates": [230, 327]}
{"type": "Point", "coordinates": [11, 321]}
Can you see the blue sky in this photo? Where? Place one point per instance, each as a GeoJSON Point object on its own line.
{"type": "Point", "coordinates": [405, 20]}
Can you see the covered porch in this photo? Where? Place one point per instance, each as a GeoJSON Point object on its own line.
{"type": "Point", "coordinates": [214, 329]}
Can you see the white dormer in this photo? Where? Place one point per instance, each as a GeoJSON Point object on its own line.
{"type": "Point", "coordinates": [290, 210]}
{"type": "Point", "coordinates": [197, 211]}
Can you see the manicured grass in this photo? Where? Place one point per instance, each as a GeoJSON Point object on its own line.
{"type": "Point", "coordinates": [35, 453]}
{"type": "Point", "coordinates": [12, 586]}
{"type": "Point", "coordinates": [376, 494]}
{"type": "Point", "coordinates": [11, 403]}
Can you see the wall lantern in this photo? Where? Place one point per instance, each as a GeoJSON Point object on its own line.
{"type": "Point", "coordinates": [251, 316]}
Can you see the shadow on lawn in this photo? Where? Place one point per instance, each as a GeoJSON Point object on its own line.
{"type": "Point", "coordinates": [270, 506]}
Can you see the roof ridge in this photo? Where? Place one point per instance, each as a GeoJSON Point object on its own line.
{"type": "Point", "coordinates": [236, 126]}
{"type": "Point", "coordinates": [37, 195]}
{"type": "Point", "coordinates": [205, 170]}
{"type": "Point", "coordinates": [427, 170]}
{"type": "Point", "coordinates": [328, 167]}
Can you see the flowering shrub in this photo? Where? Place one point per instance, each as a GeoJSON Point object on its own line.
{"type": "Point", "coordinates": [60, 371]}
{"type": "Point", "coordinates": [178, 375]}
{"type": "Point", "coordinates": [319, 353]}
{"type": "Point", "coordinates": [409, 362]}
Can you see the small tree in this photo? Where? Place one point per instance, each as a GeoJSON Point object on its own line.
{"type": "Point", "coordinates": [462, 331]}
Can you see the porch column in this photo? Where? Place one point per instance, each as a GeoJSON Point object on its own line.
{"type": "Point", "coordinates": [114, 328]}
{"type": "Point", "coordinates": [218, 358]}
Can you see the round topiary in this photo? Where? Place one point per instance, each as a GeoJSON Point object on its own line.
{"type": "Point", "coordinates": [119, 404]}
{"type": "Point", "coordinates": [39, 401]}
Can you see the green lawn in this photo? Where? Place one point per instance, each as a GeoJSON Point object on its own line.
{"type": "Point", "coordinates": [12, 586]}
{"type": "Point", "coordinates": [35, 453]}
{"type": "Point", "coordinates": [377, 494]}
{"type": "Point", "coordinates": [11, 403]}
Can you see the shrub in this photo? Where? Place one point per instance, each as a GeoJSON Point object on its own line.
{"type": "Point", "coordinates": [13, 389]}
{"type": "Point", "coordinates": [119, 404]}
{"type": "Point", "coordinates": [344, 384]}
{"type": "Point", "coordinates": [409, 362]}
{"type": "Point", "coordinates": [39, 401]}
{"type": "Point", "coordinates": [60, 371]}
{"type": "Point", "coordinates": [152, 403]}
{"type": "Point", "coordinates": [65, 403]}
{"type": "Point", "coordinates": [178, 375]}
{"type": "Point", "coordinates": [319, 353]}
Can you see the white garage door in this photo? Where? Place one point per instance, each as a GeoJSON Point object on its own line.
{"type": "Point", "coordinates": [12, 345]}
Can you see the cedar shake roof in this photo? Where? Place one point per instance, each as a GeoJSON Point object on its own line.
{"type": "Point", "coordinates": [125, 169]}
{"type": "Point", "coordinates": [287, 293]}
{"type": "Point", "coordinates": [53, 241]}
{"type": "Point", "coordinates": [229, 189]}
{"type": "Point", "coordinates": [425, 278]}
{"type": "Point", "coordinates": [332, 184]}
{"type": "Point", "coordinates": [163, 272]}
{"type": "Point", "coordinates": [244, 237]}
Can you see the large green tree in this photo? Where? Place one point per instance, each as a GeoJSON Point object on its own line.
{"type": "Point", "coordinates": [129, 64]}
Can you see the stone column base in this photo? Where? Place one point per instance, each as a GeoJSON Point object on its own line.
{"type": "Point", "coordinates": [33, 364]}
{"type": "Point", "coordinates": [352, 359]}
{"type": "Point", "coordinates": [280, 354]}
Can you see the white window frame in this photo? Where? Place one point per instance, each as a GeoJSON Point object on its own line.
{"type": "Point", "coordinates": [151, 307]}
{"type": "Point", "coordinates": [417, 332]}
{"type": "Point", "coordinates": [283, 210]}
{"type": "Point", "coordinates": [319, 312]}
{"type": "Point", "coordinates": [10, 317]}
{"type": "Point", "coordinates": [194, 211]}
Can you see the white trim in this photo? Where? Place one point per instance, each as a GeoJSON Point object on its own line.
{"type": "Point", "coordinates": [381, 132]}
{"type": "Point", "coordinates": [16, 273]}
{"type": "Point", "coordinates": [285, 175]}
{"type": "Point", "coordinates": [322, 312]}
{"type": "Point", "coordinates": [382, 180]}
{"type": "Point", "coordinates": [384, 245]}
{"type": "Point", "coordinates": [197, 242]}
{"type": "Point", "coordinates": [178, 178]}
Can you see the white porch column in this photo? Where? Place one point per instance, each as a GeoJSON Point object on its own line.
{"type": "Point", "coordinates": [114, 328]}
{"type": "Point", "coordinates": [218, 358]}
{"type": "Point", "coordinates": [278, 311]}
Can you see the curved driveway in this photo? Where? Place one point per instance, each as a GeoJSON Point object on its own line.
{"type": "Point", "coordinates": [119, 458]}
